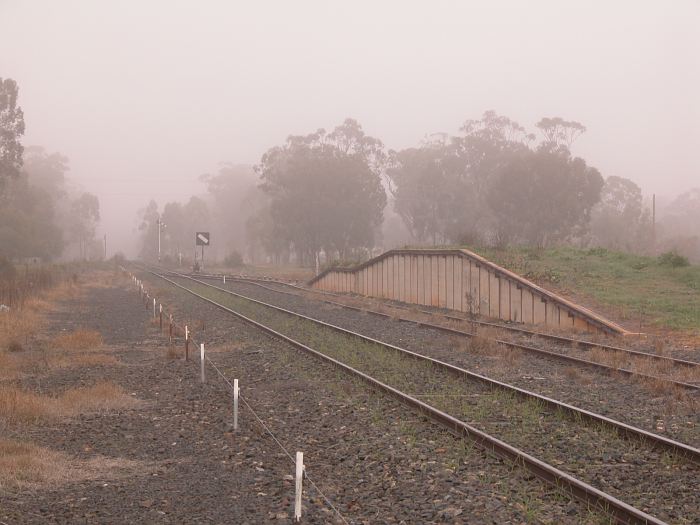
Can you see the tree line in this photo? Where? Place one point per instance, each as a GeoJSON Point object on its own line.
{"type": "Point", "coordinates": [42, 215]}
{"type": "Point", "coordinates": [343, 195]}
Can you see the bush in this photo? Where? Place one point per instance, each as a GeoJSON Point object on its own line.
{"type": "Point", "coordinates": [7, 269]}
{"type": "Point", "coordinates": [673, 259]}
{"type": "Point", "coordinates": [234, 259]}
{"type": "Point", "coordinates": [119, 258]}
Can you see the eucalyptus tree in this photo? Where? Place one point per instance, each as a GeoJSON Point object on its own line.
{"type": "Point", "coordinates": [325, 191]}
{"type": "Point", "coordinates": [11, 131]}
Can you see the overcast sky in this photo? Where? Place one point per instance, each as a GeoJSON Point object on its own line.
{"type": "Point", "coordinates": [144, 96]}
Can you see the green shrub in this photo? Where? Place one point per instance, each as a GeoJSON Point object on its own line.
{"type": "Point", "coordinates": [234, 259]}
{"type": "Point", "coordinates": [673, 259]}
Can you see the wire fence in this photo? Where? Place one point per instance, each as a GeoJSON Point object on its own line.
{"type": "Point", "coordinates": [174, 328]}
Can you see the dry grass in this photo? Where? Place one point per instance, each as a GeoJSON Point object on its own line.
{"type": "Point", "coordinates": [571, 373]}
{"type": "Point", "coordinates": [512, 356]}
{"type": "Point", "coordinates": [72, 349]}
{"type": "Point", "coordinates": [24, 465]}
{"type": "Point", "coordinates": [78, 340]}
{"type": "Point", "coordinates": [20, 406]}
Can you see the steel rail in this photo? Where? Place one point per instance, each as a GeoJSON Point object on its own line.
{"type": "Point", "coordinates": [622, 512]}
{"type": "Point", "coordinates": [681, 449]}
{"type": "Point", "coordinates": [519, 346]}
{"type": "Point", "coordinates": [532, 333]}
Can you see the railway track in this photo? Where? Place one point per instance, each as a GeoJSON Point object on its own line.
{"type": "Point", "coordinates": [451, 396]}
{"type": "Point", "coordinates": [668, 364]}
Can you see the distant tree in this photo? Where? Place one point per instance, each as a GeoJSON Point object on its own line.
{"type": "Point", "coordinates": [325, 190]}
{"type": "Point", "coordinates": [179, 222]}
{"type": "Point", "coordinates": [47, 170]}
{"type": "Point", "coordinates": [543, 196]}
{"type": "Point", "coordinates": [174, 239]}
{"type": "Point", "coordinates": [233, 198]}
{"type": "Point", "coordinates": [680, 225]}
{"type": "Point", "coordinates": [560, 132]}
{"type": "Point", "coordinates": [28, 226]}
{"type": "Point", "coordinates": [11, 130]}
{"type": "Point", "coordinates": [431, 194]}
{"type": "Point", "coordinates": [83, 219]}
{"type": "Point", "coordinates": [440, 188]}
{"type": "Point", "coordinates": [148, 227]}
{"type": "Point", "coordinates": [619, 220]}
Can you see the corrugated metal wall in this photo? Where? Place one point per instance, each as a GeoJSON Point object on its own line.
{"type": "Point", "coordinates": [460, 280]}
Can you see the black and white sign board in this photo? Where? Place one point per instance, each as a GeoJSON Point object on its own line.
{"type": "Point", "coordinates": [202, 238]}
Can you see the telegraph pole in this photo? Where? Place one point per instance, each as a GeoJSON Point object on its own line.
{"type": "Point", "coordinates": [161, 226]}
{"type": "Point", "coordinates": [653, 224]}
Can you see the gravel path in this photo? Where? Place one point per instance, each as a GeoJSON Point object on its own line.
{"type": "Point", "coordinates": [177, 459]}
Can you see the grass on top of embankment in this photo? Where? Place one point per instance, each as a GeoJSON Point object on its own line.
{"type": "Point", "coordinates": [621, 285]}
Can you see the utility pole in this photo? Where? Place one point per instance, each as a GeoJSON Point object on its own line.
{"type": "Point", "coordinates": [161, 226]}
{"type": "Point", "coordinates": [653, 224]}
{"type": "Point", "coordinates": [105, 246]}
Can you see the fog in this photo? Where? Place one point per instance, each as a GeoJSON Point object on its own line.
{"type": "Point", "coordinates": [144, 97]}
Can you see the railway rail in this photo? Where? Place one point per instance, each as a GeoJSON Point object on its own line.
{"type": "Point", "coordinates": [440, 410]}
{"type": "Point", "coordinates": [669, 361]}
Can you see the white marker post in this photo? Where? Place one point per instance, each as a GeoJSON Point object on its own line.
{"type": "Point", "coordinates": [154, 307]}
{"type": "Point", "coordinates": [224, 279]}
{"type": "Point", "coordinates": [187, 343]}
{"type": "Point", "coordinates": [201, 360]}
{"type": "Point", "coordinates": [235, 405]}
{"type": "Point", "coordinates": [297, 496]}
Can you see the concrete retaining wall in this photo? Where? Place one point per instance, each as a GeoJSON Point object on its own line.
{"type": "Point", "coordinates": [464, 281]}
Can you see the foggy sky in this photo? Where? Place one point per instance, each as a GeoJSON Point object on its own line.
{"type": "Point", "coordinates": [144, 96]}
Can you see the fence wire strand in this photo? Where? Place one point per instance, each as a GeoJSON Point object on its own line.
{"type": "Point", "coordinates": [263, 424]}
{"type": "Point", "coordinates": [272, 435]}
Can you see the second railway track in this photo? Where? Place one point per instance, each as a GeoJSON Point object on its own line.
{"type": "Point", "coordinates": [652, 473]}
{"type": "Point", "coordinates": [681, 373]}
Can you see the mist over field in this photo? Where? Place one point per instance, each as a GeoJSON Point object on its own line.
{"type": "Point", "coordinates": [181, 112]}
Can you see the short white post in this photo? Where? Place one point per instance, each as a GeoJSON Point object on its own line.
{"type": "Point", "coordinates": [235, 405]}
{"type": "Point", "coordinates": [154, 307]}
{"type": "Point", "coordinates": [224, 278]}
{"type": "Point", "coordinates": [201, 360]}
{"type": "Point", "coordinates": [299, 476]}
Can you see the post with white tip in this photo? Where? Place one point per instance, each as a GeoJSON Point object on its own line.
{"type": "Point", "coordinates": [297, 496]}
{"type": "Point", "coordinates": [201, 360]}
{"type": "Point", "coordinates": [235, 405]}
{"type": "Point", "coordinates": [154, 308]}
{"type": "Point", "coordinates": [187, 344]}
